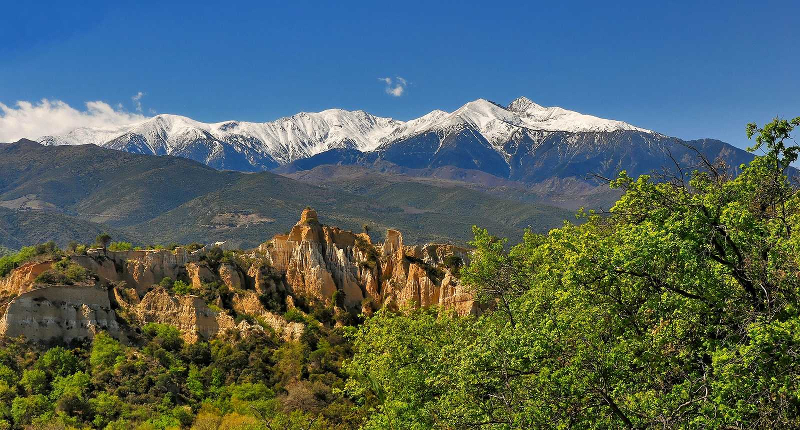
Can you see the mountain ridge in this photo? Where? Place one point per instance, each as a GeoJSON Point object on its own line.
{"type": "Point", "coordinates": [251, 146]}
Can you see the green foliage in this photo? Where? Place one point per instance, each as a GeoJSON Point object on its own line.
{"type": "Point", "coordinates": [160, 381]}
{"type": "Point", "coordinates": [26, 254]}
{"type": "Point", "coordinates": [454, 263]}
{"type": "Point", "coordinates": [294, 315]}
{"type": "Point", "coordinates": [34, 381]}
{"type": "Point", "coordinates": [25, 409]}
{"type": "Point", "coordinates": [678, 310]}
{"type": "Point", "coordinates": [58, 361]}
{"type": "Point", "coordinates": [106, 351]}
{"type": "Point", "coordinates": [181, 287]}
{"type": "Point", "coordinates": [64, 271]}
{"type": "Point", "coordinates": [166, 283]}
{"type": "Point", "coordinates": [102, 240]}
{"type": "Point", "coordinates": [120, 246]}
{"type": "Point", "coordinates": [164, 335]}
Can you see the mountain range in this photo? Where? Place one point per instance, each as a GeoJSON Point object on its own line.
{"type": "Point", "coordinates": [179, 180]}
{"type": "Point", "coordinates": [522, 141]}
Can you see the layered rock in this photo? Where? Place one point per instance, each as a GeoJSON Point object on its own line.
{"type": "Point", "coordinates": [140, 269]}
{"type": "Point", "coordinates": [62, 313]}
{"type": "Point", "coordinates": [248, 303]}
{"type": "Point", "coordinates": [189, 314]}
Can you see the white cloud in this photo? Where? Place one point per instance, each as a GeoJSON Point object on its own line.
{"type": "Point", "coordinates": [137, 101]}
{"type": "Point", "coordinates": [32, 120]}
{"type": "Point", "coordinates": [395, 87]}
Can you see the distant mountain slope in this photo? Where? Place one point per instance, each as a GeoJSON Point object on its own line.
{"type": "Point", "coordinates": [105, 186]}
{"type": "Point", "coordinates": [161, 199]}
{"type": "Point", "coordinates": [29, 227]}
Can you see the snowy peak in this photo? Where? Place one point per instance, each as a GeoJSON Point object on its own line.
{"type": "Point", "coordinates": [523, 104]}
{"type": "Point", "coordinates": [306, 134]}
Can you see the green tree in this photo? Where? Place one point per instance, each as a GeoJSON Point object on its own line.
{"type": "Point", "coordinates": [678, 309]}
{"type": "Point", "coordinates": [103, 240]}
{"type": "Point", "coordinates": [34, 381]}
{"type": "Point", "coordinates": [106, 351]}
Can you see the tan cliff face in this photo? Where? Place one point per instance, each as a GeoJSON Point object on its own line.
{"type": "Point", "coordinates": [62, 313]}
{"type": "Point", "coordinates": [320, 261]}
{"type": "Point", "coordinates": [315, 263]}
{"type": "Point", "coordinates": [21, 279]}
{"type": "Point", "coordinates": [139, 269]}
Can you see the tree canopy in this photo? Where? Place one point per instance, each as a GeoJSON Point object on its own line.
{"type": "Point", "coordinates": [679, 308]}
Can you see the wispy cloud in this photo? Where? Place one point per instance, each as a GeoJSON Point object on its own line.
{"type": "Point", "coordinates": [137, 101]}
{"type": "Point", "coordinates": [395, 87]}
{"type": "Point", "coordinates": [34, 120]}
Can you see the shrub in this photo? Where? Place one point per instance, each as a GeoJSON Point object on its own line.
{"type": "Point", "coordinates": [194, 246]}
{"type": "Point", "coordinates": [102, 240]}
{"type": "Point", "coordinates": [76, 273]}
{"type": "Point", "coordinates": [165, 335]}
{"type": "Point", "coordinates": [106, 351]}
{"type": "Point", "coordinates": [166, 282]}
{"type": "Point", "coordinates": [120, 246]}
{"type": "Point", "coordinates": [180, 287]}
{"type": "Point", "coordinates": [64, 271]}
{"type": "Point", "coordinates": [294, 315]}
{"type": "Point", "coordinates": [7, 264]}
{"type": "Point", "coordinates": [51, 277]}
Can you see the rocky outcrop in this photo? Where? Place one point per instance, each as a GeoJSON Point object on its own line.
{"type": "Point", "coordinates": [199, 274]}
{"type": "Point", "coordinates": [247, 303]}
{"type": "Point", "coordinates": [189, 314]}
{"type": "Point", "coordinates": [230, 276]}
{"type": "Point", "coordinates": [313, 263]}
{"type": "Point", "coordinates": [60, 312]}
{"type": "Point", "coordinates": [20, 280]}
{"type": "Point", "coordinates": [321, 263]}
{"type": "Point", "coordinates": [140, 269]}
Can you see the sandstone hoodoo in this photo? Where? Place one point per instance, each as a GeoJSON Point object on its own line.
{"type": "Point", "coordinates": [324, 263]}
{"type": "Point", "coordinates": [207, 292]}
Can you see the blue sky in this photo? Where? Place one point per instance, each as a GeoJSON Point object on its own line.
{"type": "Point", "coordinates": [687, 69]}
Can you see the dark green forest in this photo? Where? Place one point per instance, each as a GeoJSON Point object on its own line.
{"type": "Point", "coordinates": [678, 308]}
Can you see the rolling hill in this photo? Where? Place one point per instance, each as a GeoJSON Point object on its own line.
{"type": "Point", "coordinates": [74, 192]}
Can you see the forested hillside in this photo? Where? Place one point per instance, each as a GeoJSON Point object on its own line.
{"type": "Point", "coordinates": [148, 199]}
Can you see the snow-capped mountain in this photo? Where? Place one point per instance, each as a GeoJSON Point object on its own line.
{"type": "Point", "coordinates": [239, 145]}
{"type": "Point", "coordinates": [250, 146]}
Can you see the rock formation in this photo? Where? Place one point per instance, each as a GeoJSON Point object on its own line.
{"type": "Point", "coordinates": [314, 264]}
{"type": "Point", "coordinates": [319, 261]}
{"type": "Point", "coordinates": [60, 313]}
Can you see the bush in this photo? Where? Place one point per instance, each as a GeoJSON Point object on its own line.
{"type": "Point", "coordinates": [51, 277]}
{"type": "Point", "coordinates": [180, 287]}
{"type": "Point", "coordinates": [165, 335]}
{"type": "Point", "coordinates": [64, 271]}
{"type": "Point", "coordinates": [106, 351]}
{"type": "Point", "coordinates": [28, 253]}
{"type": "Point", "coordinates": [166, 283]}
{"type": "Point", "coordinates": [194, 246]}
{"type": "Point", "coordinates": [294, 315]}
{"type": "Point", "coordinates": [7, 264]}
{"type": "Point", "coordinates": [120, 246]}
